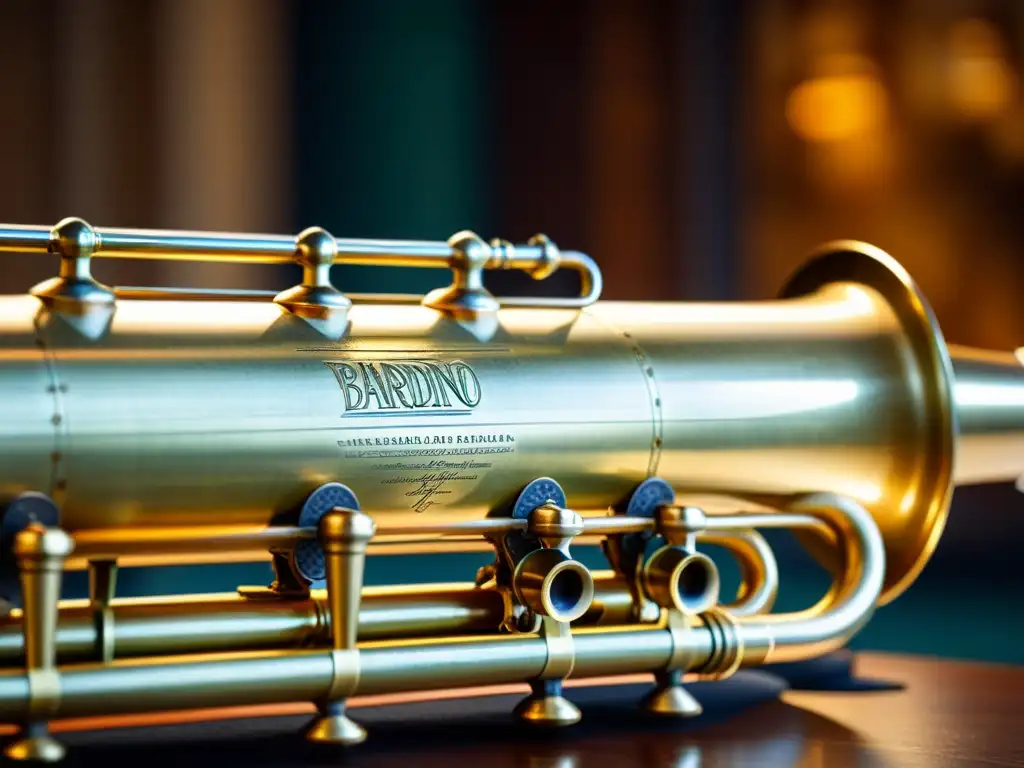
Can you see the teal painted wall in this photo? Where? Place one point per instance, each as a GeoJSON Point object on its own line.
{"type": "Point", "coordinates": [391, 126]}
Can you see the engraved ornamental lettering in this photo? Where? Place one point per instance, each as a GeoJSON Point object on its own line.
{"type": "Point", "coordinates": [374, 388]}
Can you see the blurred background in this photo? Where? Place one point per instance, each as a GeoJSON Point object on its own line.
{"type": "Point", "coordinates": [697, 150]}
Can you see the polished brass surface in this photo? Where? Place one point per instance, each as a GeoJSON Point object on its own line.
{"type": "Point", "coordinates": [548, 580]}
{"type": "Point", "coordinates": [715, 646]}
{"type": "Point", "coordinates": [757, 401]}
{"type": "Point", "coordinates": [212, 623]}
{"type": "Point", "coordinates": [40, 554]}
{"type": "Point", "coordinates": [686, 581]}
{"type": "Point", "coordinates": [344, 535]}
{"type": "Point", "coordinates": [74, 291]}
{"type": "Point", "coordinates": [546, 705]}
{"type": "Point", "coordinates": [176, 426]}
{"type": "Point", "coordinates": [668, 698]}
{"type": "Point", "coordinates": [315, 251]}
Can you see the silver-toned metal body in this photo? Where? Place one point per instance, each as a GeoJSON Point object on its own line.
{"type": "Point", "coordinates": [316, 427]}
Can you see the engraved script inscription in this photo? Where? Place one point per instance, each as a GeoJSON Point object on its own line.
{"type": "Point", "coordinates": [396, 386]}
{"type": "Point", "coordinates": [432, 479]}
{"type": "Point", "coordinates": [428, 463]}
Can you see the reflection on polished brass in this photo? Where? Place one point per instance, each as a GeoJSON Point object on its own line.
{"type": "Point", "coordinates": [685, 581]}
{"type": "Point", "coordinates": [668, 697]}
{"type": "Point", "coordinates": [546, 705]}
{"type": "Point", "coordinates": [344, 534]}
{"type": "Point", "coordinates": [715, 646]}
{"type": "Point", "coordinates": [40, 554]}
{"type": "Point", "coordinates": [212, 623]}
{"type": "Point", "coordinates": [549, 581]}
{"type": "Point", "coordinates": [177, 426]}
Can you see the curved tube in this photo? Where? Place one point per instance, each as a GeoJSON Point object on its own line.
{"type": "Point", "coordinates": [248, 678]}
{"type": "Point", "coordinates": [591, 285]}
{"type": "Point", "coordinates": [223, 622]}
{"type": "Point", "coordinates": [759, 570]}
{"type": "Point", "coordinates": [847, 607]}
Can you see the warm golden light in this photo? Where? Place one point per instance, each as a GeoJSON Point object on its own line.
{"type": "Point", "coordinates": [847, 101]}
{"type": "Point", "coordinates": [981, 83]}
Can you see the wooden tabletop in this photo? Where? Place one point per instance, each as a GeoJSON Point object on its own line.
{"type": "Point", "coordinates": [946, 713]}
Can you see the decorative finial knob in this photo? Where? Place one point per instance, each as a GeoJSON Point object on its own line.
{"type": "Point", "coordinates": [315, 247]}
{"type": "Point", "coordinates": [316, 298]}
{"type": "Point", "coordinates": [466, 298]}
{"type": "Point", "coordinates": [74, 291]}
{"type": "Point", "coordinates": [73, 238]}
{"type": "Point", "coordinates": [469, 251]}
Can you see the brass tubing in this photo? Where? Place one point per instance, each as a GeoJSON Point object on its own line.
{"type": "Point", "coordinates": [212, 623]}
{"type": "Point", "coordinates": [591, 285]}
{"type": "Point", "coordinates": [266, 249]}
{"type": "Point", "coordinates": [634, 651]}
{"type": "Point", "coordinates": [21, 238]}
{"type": "Point", "coordinates": [989, 397]}
{"type": "Point", "coordinates": [110, 543]}
{"type": "Point", "coordinates": [390, 667]}
{"type": "Point", "coordinates": [224, 622]}
{"type": "Point", "coordinates": [268, 678]}
{"type": "Point", "coordinates": [841, 613]}
{"type": "Point", "coordinates": [759, 571]}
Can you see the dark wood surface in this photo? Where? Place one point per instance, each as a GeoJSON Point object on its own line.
{"type": "Point", "coordinates": [935, 713]}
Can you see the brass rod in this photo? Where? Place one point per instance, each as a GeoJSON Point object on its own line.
{"type": "Point", "coordinates": [192, 541]}
{"type": "Point", "coordinates": [715, 644]}
{"type": "Point", "coordinates": [254, 248]}
{"type": "Point", "coordinates": [269, 678]}
{"type": "Point", "coordinates": [591, 285]}
{"type": "Point", "coordinates": [223, 622]}
{"type": "Point", "coordinates": [787, 520]}
{"type": "Point", "coordinates": [159, 293]}
{"type": "Point", "coordinates": [167, 540]}
{"type": "Point", "coordinates": [20, 238]}
{"type": "Point", "coordinates": [616, 524]}
{"type": "Point", "coordinates": [162, 293]}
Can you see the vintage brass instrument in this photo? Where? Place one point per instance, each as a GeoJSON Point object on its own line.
{"type": "Point", "coordinates": [156, 425]}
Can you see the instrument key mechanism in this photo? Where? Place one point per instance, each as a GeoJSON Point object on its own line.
{"type": "Point", "coordinates": [344, 535]}
{"type": "Point", "coordinates": [39, 549]}
{"type": "Point", "coordinates": [545, 589]}
{"type": "Point", "coordinates": [676, 582]}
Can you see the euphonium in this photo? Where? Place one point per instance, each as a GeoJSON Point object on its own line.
{"type": "Point", "coordinates": [315, 428]}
